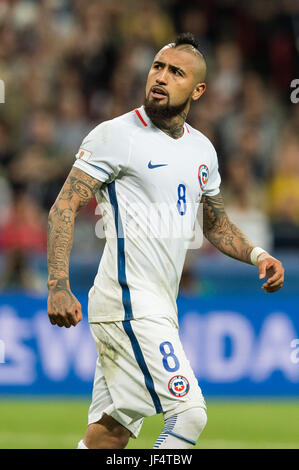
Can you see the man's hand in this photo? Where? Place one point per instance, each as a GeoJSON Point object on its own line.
{"type": "Point", "coordinates": [272, 269]}
{"type": "Point", "coordinates": [63, 307]}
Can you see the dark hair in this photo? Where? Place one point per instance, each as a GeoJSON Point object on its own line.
{"type": "Point", "coordinates": [189, 43]}
{"type": "Point", "coordinates": [186, 38]}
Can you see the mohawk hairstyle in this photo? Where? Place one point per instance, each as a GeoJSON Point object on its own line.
{"type": "Point", "coordinates": [186, 38]}
{"type": "Point", "coordinates": [188, 42]}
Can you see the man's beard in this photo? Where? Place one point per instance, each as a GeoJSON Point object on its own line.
{"type": "Point", "coordinates": [158, 112]}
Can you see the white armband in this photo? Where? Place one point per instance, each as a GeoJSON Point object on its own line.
{"type": "Point", "coordinates": [255, 254]}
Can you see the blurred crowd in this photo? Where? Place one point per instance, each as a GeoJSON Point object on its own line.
{"type": "Point", "coordinates": [69, 65]}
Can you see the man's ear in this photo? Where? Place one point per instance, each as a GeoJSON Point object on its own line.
{"type": "Point", "coordinates": [198, 91]}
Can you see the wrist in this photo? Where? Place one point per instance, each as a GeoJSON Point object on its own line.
{"type": "Point", "coordinates": [60, 282]}
{"type": "Point", "coordinates": [255, 253]}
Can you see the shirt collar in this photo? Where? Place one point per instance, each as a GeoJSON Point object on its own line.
{"type": "Point", "coordinates": [145, 120]}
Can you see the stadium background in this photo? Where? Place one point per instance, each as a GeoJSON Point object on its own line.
{"type": "Point", "coordinates": [68, 65]}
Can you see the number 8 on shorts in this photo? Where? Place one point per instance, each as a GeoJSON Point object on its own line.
{"type": "Point", "coordinates": [170, 361]}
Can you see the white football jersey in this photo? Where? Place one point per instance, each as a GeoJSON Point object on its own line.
{"type": "Point", "coordinates": [152, 186]}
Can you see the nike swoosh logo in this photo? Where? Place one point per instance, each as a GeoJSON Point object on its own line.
{"type": "Point", "coordinates": [150, 165]}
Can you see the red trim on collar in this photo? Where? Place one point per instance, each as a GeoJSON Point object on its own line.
{"type": "Point", "coordinates": [187, 128]}
{"type": "Point", "coordinates": [140, 117]}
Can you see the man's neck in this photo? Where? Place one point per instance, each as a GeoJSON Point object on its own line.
{"type": "Point", "coordinates": [173, 127]}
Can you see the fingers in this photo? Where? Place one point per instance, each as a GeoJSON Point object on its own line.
{"type": "Point", "coordinates": [59, 320]}
{"type": "Point", "coordinates": [274, 281]}
{"type": "Point", "coordinates": [66, 319]}
{"type": "Point", "coordinates": [71, 318]}
{"type": "Point", "coordinates": [274, 270]}
{"type": "Point", "coordinates": [275, 278]}
{"type": "Point", "coordinates": [78, 314]}
{"type": "Point", "coordinates": [52, 318]}
{"type": "Point", "coordinates": [262, 269]}
{"type": "Point", "coordinates": [63, 322]}
{"type": "Point", "coordinates": [269, 290]}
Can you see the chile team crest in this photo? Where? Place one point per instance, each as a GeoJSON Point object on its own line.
{"type": "Point", "coordinates": [178, 386]}
{"type": "Point", "coordinates": [203, 176]}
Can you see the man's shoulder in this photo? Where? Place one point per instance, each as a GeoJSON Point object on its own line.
{"type": "Point", "coordinates": [201, 138]}
{"type": "Point", "coordinates": [115, 128]}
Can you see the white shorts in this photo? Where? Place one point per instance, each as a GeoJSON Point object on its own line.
{"type": "Point", "coordinates": [141, 370]}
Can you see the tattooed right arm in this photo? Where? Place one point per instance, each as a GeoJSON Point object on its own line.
{"type": "Point", "coordinates": [78, 189]}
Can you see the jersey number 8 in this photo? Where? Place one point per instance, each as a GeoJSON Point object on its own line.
{"type": "Point", "coordinates": [181, 204]}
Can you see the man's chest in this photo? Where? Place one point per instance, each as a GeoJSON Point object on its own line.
{"type": "Point", "coordinates": [164, 169]}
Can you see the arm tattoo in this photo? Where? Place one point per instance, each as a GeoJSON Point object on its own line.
{"type": "Point", "coordinates": [78, 189]}
{"type": "Point", "coordinates": [222, 232]}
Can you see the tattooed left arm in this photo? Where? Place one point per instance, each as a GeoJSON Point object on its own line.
{"type": "Point", "coordinates": [78, 189]}
{"type": "Point", "coordinates": [228, 238]}
{"type": "Point", "coordinates": [222, 232]}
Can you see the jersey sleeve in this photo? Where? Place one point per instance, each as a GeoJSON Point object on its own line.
{"type": "Point", "coordinates": [103, 153]}
{"type": "Point", "coordinates": [213, 185]}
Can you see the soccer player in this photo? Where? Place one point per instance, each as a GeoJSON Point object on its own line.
{"type": "Point", "coordinates": [136, 165]}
